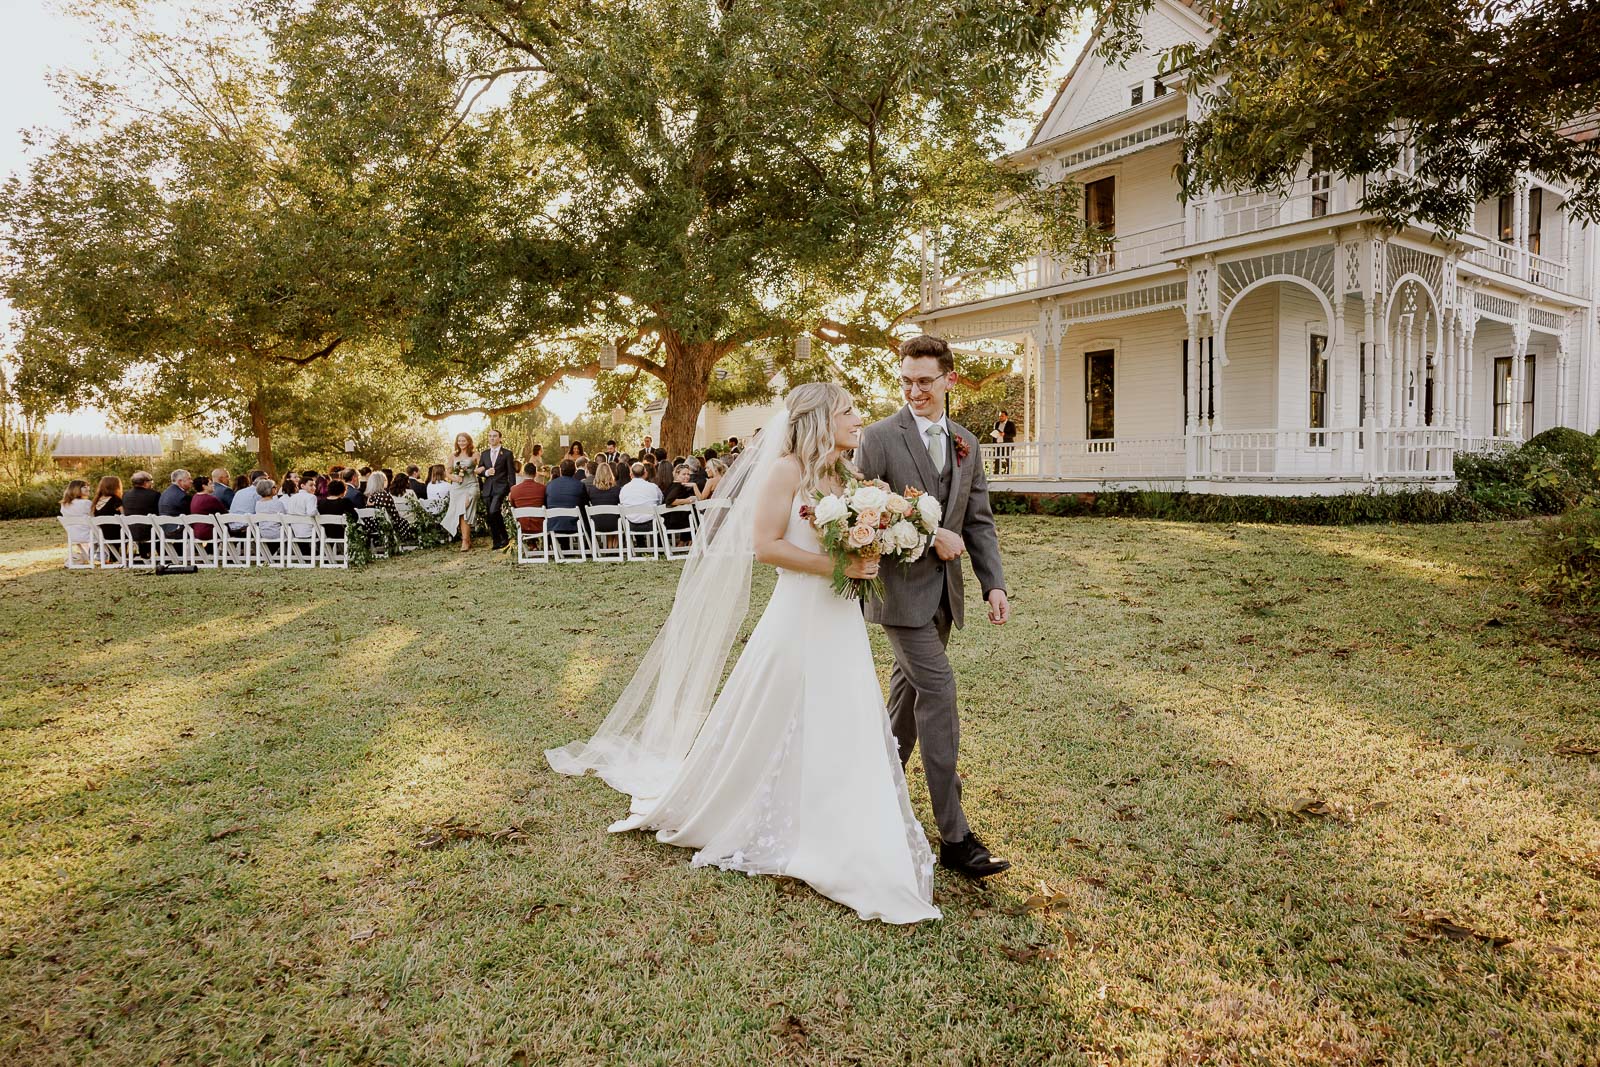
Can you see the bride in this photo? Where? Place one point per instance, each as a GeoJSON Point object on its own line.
{"type": "Point", "coordinates": [792, 769]}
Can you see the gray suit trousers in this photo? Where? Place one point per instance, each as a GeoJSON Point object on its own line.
{"type": "Point", "coordinates": [922, 708]}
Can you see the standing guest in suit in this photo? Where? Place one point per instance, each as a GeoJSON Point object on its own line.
{"type": "Point", "coordinates": [1004, 433]}
{"type": "Point", "coordinates": [610, 455]}
{"type": "Point", "coordinates": [175, 500]}
{"type": "Point", "coordinates": [919, 446]}
{"type": "Point", "coordinates": [529, 493]}
{"type": "Point", "coordinates": [108, 497]}
{"type": "Point", "coordinates": [639, 498]}
{"type": "Point", "coordinates": [565, 491]}
{"type": "Point", "coordinates": [222, 487]}
{"type": "Point", "coordinates": [76, 509]}
{"type": "Point", "coordinates": [204, 502]}
{"type": "Point", "coordinates": [497, 470]}
{"type": "Point", "coordinates": [141, 499]}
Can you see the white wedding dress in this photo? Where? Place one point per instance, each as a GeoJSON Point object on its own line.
{"type": "Point", "coordinates": [794, 771]}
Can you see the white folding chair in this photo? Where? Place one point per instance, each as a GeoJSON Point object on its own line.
{"type": "Point", "coordinates": [138, 561]}
{"type": "Point", "coordinates": [677, 543]}
{"type": "Point", "coordinates": [531, 547]}
{"type": "Point", "coordinates": [113, 548]}
{"type": "Point", "coordinates": [333, 532]}
{"type": "Point", "coordinates": [270, 550]}
{"type": "Point", "coordinates": [80, 543]}
{"type": "Point", "coordinates": [641, 531]}
{"type": "Point", "coordinates": [170, 548]}
{"type": "Point", "coordinates": [706, 511]}
{"type": "Point", "coordinates": [300, 542]}
{"type": "Point", "coordinates": [570, 547]}
{"type": "Point", "coordinates": [236, 541]}
{"type": "Point", "coordinates": [200, 551]}
{"type": "Point", "coordinates": [606, 544]}
{"type": "Point", "coordinates": [372, 529]}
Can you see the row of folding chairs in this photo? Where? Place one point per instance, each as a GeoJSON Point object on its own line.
{"type": "Point", "coordinates": [114, 542]}
{"type": "Point", "coordinates": [602, 532]}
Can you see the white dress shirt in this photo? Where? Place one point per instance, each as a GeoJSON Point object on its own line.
{"type": "Point", "coordinates": [637, 496]}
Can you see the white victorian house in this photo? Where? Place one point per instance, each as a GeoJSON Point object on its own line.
{"type": "Point", "coordinates": [1269, 342]}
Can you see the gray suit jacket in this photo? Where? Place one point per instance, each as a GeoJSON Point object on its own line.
{"type": "Point", "coordinates": [894, 451]}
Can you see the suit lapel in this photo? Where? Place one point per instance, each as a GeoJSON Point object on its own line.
{"type": "Point", "coordinates": [958, 480]}
{"type": "Point", "coordinates": [919, 452]}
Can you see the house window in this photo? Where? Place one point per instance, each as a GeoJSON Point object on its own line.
{"type": "Point", "coordinates": [1159, 88]}
{"type": "Point", "coordinates": [1535, 214]}
{"type": "Point", "coordinates": [1208, 372]}
{"type": "Point", "coordinates": [1318, 380]}
{"type": "Point", "coordinates": [1321, 185]}
{"type": "Point", "coordinates": [1099, 393]}
{"type": "Point", "coordinates": [1100, 204]}
{"type": "Point", "coordinates": [1508, 206]}
{"type": "Point", "coordinates": [1136, 95]}
{"type": "Point", "coordinates": [1502, 396]}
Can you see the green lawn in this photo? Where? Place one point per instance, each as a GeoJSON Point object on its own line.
{"type": "Point", "coordinates": [222, 796]}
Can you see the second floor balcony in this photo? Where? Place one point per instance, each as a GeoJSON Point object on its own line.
{"type": "Point", "coordinates": [1130, 251]}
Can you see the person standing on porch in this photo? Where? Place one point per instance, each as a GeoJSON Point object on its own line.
{"type": "Point", "coordinates": [1005, 435]}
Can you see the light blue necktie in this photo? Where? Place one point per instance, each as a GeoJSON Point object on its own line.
{"type": "Point", "coordinates": [935, 435]}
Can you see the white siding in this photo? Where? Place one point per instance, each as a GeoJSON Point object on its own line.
{"type": "Point", "coordinates": [1299, 316]}
{"type": "Point", "coordinates": [1100, 90]}
{"type": "Point", "coordinates": [1246, 387]}
{"type": "Point", "coordinates": [1149, 382]}
{"type": "Point", "coordinates": [1146, 188]}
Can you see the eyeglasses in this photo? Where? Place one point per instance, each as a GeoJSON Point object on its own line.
{"type": "Point", "coordinates": [923, 384]}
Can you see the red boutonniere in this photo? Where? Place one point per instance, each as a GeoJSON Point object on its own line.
{"type": "Point", "coordinates": [960, 444]}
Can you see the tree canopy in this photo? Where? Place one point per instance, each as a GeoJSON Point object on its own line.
{"type": "Point", "coordinates": [1478, 90]}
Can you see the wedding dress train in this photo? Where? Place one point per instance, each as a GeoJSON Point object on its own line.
{"type": "Point", "coordinates": [794, 771]}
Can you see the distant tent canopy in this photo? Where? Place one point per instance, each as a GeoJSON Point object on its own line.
{"type": "Point", "coordinates": [70, 446]}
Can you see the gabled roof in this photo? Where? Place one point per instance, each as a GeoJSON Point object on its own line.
{"type": "Point", "coordinates": [1203, 10]}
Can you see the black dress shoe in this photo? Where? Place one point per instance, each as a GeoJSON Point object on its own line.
{"type": "Point", "coordinates": [969, 858]}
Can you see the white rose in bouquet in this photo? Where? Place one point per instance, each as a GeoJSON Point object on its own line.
{"type": "Point", "coordinates": [904, 536]}
{"type": "Point", "coordinates": [829, 509]}
{"type": "Point", "coordinates": [869, 497]}
{"type": "Point", "coordinates": [928, 507]}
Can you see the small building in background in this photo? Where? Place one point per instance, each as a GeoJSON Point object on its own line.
{"type": "Point", "coordinates": [716, 424]}
{"type": "Point", "coordinates": [86, 449]}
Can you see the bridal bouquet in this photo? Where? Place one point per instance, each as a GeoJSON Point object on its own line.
{"type": "Point", "coordinates": [866, 520]}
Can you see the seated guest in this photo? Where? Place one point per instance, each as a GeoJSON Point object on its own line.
{"type": "Point", "coordinates": [378, 499]}
{"type": "Point", "coordinates": [438, 487]}
{"type": "Point", "coordinates": [244, 499]}
{"type": "Point", "coordinates": [222, 487]}
{"type": "Point", "coordinates": [414, 476]}
{"type": "Point", "coordinates": [715, 469]}
{"type": "Point", "coordinates": [605, 492]}
{"type": "Point", "coordinates": [204, 502]}
{"type": "Point", "coordinates": [536, 457]}
{"type": "Point", "coordinates": [639, 499]}
{"type": "Point", "coordinates": [352, 487]}
{"type": "Point", "coordinates": [175, 500]}
{"type": "Point", "coordinates": [336, 503]}
{"type": "Point", "coordinates": [565, 491]}
{"type": "Point", "coordinates": [679, 495]}
{"type": "Point", "coordinates": [528, 493]}
{"type": "Point", "coordinates": [141, 499]}
{"type": "Point", "coordinates": [299, 500]}
{"type": "Point", "coordinates": [697, 471]}
{"type": "Point", "coordinates": [268, 502]}
{"type": "Point", "coordinates": [400, 485]}
{"type": "Point", "coordinates": [624, 471]}
{"type": "Point", "coordinates": [76, 509]}
{"type": "Point", "coordinates": [108, 497]}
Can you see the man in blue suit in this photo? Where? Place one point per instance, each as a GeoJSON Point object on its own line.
{"type": "Point", "coordinates": [565, 491]}
{"type": "Point", "coordinates": [175, 500]}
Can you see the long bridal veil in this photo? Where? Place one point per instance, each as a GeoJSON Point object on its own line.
{"type": "Point", "coordinates": [643, 742]}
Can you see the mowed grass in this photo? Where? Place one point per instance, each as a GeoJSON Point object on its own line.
{"type": "Point", "coordinates": [222, 794]}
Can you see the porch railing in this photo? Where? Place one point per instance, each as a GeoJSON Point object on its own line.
{"type": "Point", "coordinates": [1142, 248]}
{"type": "Point", "coordinates": [1106, 459]}
{"type": "Point", "coordinates": [1311, 197]}
{"type": "Point", "coordinates": [1514, 262]}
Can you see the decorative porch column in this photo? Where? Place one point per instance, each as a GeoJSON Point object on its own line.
{"type": "Point", "coordinates": [1376, 315]}
{"type": "Point", "coordinates": [1519, 373]}
{"type": "Point", "coordinates": [1469, 336]}
{"type": "Point", "coordinates": [1563, 376]}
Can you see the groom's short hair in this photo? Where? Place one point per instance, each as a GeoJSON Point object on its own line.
{"type": "Point", "coordinates": [927, 346]}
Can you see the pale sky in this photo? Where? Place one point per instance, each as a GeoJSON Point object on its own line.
{"type": "Point", "coordinates": [38, 38]}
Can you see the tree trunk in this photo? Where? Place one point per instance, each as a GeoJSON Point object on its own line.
{"type": "Point", "coordinates": [688, 377]}
{"type": "Point", "coordinates": [263, 435]}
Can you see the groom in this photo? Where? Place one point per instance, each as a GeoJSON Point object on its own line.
{"type": "Point", "coordinates": [920, 447]}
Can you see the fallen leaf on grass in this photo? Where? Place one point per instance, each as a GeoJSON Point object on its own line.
{"type": "Point", "coordinates": [1576, 748]}
{"type": "Point", "coordinates": [363, 937]}
{"type": "Point", "coordinates": [540, 908]}
{"type": "Point", "coordinates": [450, 830]}
{"type": "Point", "coordinates": [218, 835]}
{"type": "Point", "coordinates": [791, 1027]}
{"type": "Point", "coordinates": [1046, 899]}
{"type": "Point", "coordinates": [703, 936]}
{"type": "Point", "coordinates": [1429, 924]}
{"type": "Point", "coordinates": [1031, 953]}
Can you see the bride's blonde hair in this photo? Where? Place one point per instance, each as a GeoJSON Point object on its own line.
{"type": "Point", "coordinates": [810, 435]}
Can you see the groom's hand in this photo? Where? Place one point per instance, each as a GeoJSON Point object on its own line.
{"type": "Point", "coordinates": [947, 544]}
{"type": "Point", "coordinates": [999, 607]}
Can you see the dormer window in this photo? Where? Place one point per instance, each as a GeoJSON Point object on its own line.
{"type": "Point", "coordinates": [1159, 88]}
{"type": "Point", "coordinates": [1136, 95]}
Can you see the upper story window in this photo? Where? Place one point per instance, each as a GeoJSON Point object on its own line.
{"type": "Point", "coordinates": [1535, 218]}
{"type": "Point", "coordinates": [1100, 204]}
{"type": "Point", "coordinates": [1158, 88]}
{"type": "Point", "coordinates": [1136, 95]}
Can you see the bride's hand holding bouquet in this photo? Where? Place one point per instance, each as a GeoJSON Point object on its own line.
{"type": "Point", "coordinates": [865, 522]}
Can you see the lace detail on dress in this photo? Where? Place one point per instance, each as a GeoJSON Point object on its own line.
{"type": "Point", "coordinates": [771, 829]}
